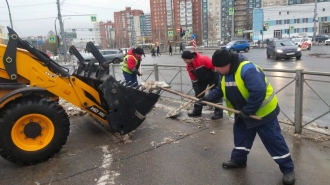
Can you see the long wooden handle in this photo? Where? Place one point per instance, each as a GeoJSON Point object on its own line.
{"type": "Point", "coordinates": [200, 94]}
{"type": "Point", "coordinates": [208, 103]}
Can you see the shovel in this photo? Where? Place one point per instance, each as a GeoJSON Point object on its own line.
{"type": "Point", "coordinates": [176, 112]}
{"type": "Point", "coordinates": [207, 103]}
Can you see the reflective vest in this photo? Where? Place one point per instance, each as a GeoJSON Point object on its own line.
{"type": "Point", "coordinates": [268, 105]}
{"type": "Point", "coordinates": [124, 64]}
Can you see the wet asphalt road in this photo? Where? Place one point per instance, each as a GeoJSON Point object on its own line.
{"type": "Point", "coordinates": [164, 151]}
{"type": "Point", "coordinates": [315, 104]}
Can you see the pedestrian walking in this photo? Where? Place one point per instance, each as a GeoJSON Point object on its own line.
{"type": "Point", "coordinates": [143, 52]}
{"type": "Point", "coordinates": [158, 53]}
{"type": "Point", "coordinates": [153, 52]}
{"type": "Point", "coordinates": [245, 88]}
{"type": "Point", "coordinates": [202, 74]}
{"type": "Point", "coordinates": [181, 48]}
{"type": "Point", "coordinates": [170, 50]}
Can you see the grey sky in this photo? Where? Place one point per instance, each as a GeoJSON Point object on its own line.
{"type": "Point", "coordinates": [33, 18]}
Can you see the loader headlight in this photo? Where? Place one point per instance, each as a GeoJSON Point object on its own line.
{"type": "Point", "coordinates": [298, 49]}
{"type": "Point", "coordinates": [279, 51]}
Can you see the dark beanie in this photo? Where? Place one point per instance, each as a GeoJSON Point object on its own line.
{"type": "Point", "coordinates": [138, 51]}
{"type": "Point", "coordinates": [187, 55]}
{"type": "Point", "coordinates": [221, 58]}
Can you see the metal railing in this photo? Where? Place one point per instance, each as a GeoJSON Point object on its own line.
{"type": "Point", "coordinates": [303, 95]}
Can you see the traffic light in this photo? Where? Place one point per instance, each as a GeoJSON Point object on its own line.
{"type": "Point", "coordinates": [260, 31]}
{"type": "Point", "coordinates": [264, 27]}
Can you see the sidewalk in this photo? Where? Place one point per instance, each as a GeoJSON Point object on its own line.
{"type": "Point", "coordinates": [191, 151]}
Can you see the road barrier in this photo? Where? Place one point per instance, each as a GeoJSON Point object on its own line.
{"type": "Point", "coordinates": [303, 95]}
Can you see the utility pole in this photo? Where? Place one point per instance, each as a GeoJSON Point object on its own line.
{"type": "Point", "coordinates": [11, 22]}
{"type": "Point", "coordinates": [62, 29]}
{"type": "Point", "coordinates": [315, 15]}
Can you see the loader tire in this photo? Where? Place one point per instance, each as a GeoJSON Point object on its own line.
{"type": "Point", "coordinates": [32, 130]}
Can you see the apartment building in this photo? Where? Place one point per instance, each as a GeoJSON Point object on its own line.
{"type": "Point", "coordinates": [127, 27]}
{"type": "Point", "coordinates": [145, 28]}
{"type": "Point", "coordinates": [211, 22]}
{"type": "Point", "coordinates": [168, 16]}
{"type": "Point", "coordinates": [107, 35]}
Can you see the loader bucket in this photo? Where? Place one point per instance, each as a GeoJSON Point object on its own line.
{"type": "Point", "coordinates": [128, 105]}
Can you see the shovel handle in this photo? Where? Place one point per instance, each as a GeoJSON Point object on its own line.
{"type": "Point", "coordinates": [208, 103]}
{"type": "Point", "coordinates": [200, 94]}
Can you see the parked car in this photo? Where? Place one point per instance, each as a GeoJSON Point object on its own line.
{"type": "Point", "coordinates": [111, 56]}
{"type": "Point", "coordinates": [283, 48]}
{"type": "Point", "coordinates": [237, 45]}
{"type": "Point", "coordinates": [303, 43]}
{"type": "Point", "coordinates": [327, 42]}
{"type": "Point", "coordinates": [321, 38]}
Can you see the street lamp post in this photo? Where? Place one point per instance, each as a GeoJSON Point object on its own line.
{"type": "Point", "coordinates": [11, 22]}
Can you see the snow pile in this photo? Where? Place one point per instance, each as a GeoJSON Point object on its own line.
{"type": "Point", "coordinates": [71, 109]}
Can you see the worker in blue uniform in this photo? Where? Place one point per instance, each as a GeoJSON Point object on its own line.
{"type": "Point", "coordinates": [245, 87]}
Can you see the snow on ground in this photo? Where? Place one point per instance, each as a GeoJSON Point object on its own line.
{"type": "Point", "coordinates": [311, 133]}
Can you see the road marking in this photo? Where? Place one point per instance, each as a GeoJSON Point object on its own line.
{"type": "Point", "coordinates": [108, 177]}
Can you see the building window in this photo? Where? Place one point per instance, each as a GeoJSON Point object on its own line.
{"type": "Point", "coordinates": [324, 19]}
{"type": "Point", "coordinates": [290, 2]}
{"type": "Point", "coordinates": [296, 21]}
{"type": "Point", "coordinates": [287, 21]}
{"type": "Point", "coordinates": [296, 30]}
{"type": "Point", "coordinates": [278, 22]}
{"type": "Point", "coordinates": [286, 30]}
{"type": "Point", "coordinates": [304, 29]}
{"type": "Point", "coordinates": [305, 20]}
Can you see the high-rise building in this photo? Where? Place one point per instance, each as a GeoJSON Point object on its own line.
{"type": "Point", "coordinates": [127, 27]}
{"type": "Point", "coordinates": [168, 16]}
{"type": "Point", "coordinates": [107, 34]}
{"type": "Point", "coordinates": [145, 27]}
{"type": "Point", "coordinates": [211, 22]}
{"type": "Point", "coordinates": [242, 18]}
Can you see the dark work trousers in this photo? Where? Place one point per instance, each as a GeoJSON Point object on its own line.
{"type": "Point", "coordinates": [198, 107]}
{"type": "Point", "coordinates": [132, 78]}
{"type": "Point", "coordinates": [271, 137]}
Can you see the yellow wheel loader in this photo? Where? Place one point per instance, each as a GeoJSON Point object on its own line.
{"type": "Point", "coordinates": [33, 126]}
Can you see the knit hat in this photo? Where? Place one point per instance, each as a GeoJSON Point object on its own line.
{"type": "Point", "coordinates": [138, 51]}
{"type": "Point", "coordinates": [187, 55]}
{"type": "Point", "coordinates": [221, 58]}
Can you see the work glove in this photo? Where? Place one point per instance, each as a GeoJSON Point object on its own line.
{"type": "Point", "coordinates": [243, 115]}
{"type": "Point", "coordinates": [135, 71]}
{"type": "Point", "coordinates": [196, 88]}
{"type": "Point", "coordinates": [205, 98]}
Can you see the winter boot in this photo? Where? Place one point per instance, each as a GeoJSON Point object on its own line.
{"type": "Point", "coordinates": [289, 178]}
{"type": "Point", "coordinates": [197, 111]}
{"type": "Point", "coordinates": [232, 164]}
{"type": "Point", "coordinates": [218, 114]}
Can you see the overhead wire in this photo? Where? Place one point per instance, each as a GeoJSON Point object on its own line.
{"type": "Point", "coordinates": [28, 5]}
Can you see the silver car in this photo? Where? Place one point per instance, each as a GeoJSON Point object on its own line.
{"type": "Point", "coordinates": [111, 56]}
